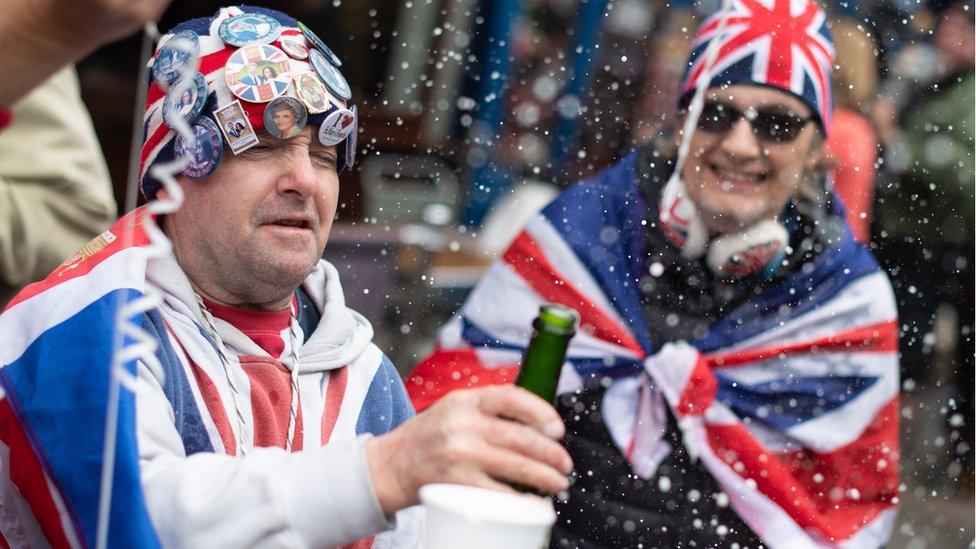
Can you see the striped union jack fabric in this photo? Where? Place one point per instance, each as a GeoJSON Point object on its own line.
{"type": "Point", "coordinates": [51, 424]}
{"type": "Point", "coordinates": [181, 477]}
{"type": "Point", "coordinates": [780, 43]}
{"type": "Point", "coordinates": [159, 140]}
{"type": "Point", "coordinates": [790, 400]}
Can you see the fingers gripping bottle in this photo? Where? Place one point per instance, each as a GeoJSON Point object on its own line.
{"type": "Point", "coordinates": [544, 357]}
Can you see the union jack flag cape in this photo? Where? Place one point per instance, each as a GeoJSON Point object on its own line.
{"type": "Point", "coordinates": [57, 340]}
{"type": "Point", "coordinates": [790, 400]}
{"type": "Point", "coordinates": [56, 343]}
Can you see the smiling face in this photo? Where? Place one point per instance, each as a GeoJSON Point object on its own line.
{"type": "Point", "coordinates": [734, 178]}
{"type": "Point", "coordinates": [284, 120]}
{"type": "Point", "coordinates": [249, 234]}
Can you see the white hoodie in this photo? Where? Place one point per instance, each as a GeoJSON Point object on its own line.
{"type": "Point", "coordinates": [229, 493]}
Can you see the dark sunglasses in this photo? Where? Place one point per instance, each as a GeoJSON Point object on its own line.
{"type": "Point", "coordinates": [769, 125]}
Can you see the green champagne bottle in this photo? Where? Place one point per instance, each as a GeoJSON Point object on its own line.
{"type": "Point", "coordinates": [544, 356]}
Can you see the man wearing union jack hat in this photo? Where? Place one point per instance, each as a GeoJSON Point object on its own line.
{"type": "Point", "coordinates": [266, 415]}
{"type": "Point", "coordinates": [735, 378]}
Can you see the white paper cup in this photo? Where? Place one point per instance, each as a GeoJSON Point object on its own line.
{"type": "Point", "coordinates": [475, 518]}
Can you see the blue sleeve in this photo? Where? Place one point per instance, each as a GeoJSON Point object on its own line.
{"type": "Point", "coordinates": [386, 405]}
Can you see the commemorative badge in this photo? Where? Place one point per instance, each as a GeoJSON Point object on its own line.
{"type": "Point", "coordinates": [317, 43]}
{"type": "Point", "coordinates": [353, 136]}
{"type": "Point", "coordinates": [312, 92]}
{"type": "Point", "coordinates": [94, 246]}
{"type": "Point", "coordinates": [237, 128]}
{"type": "Point", "coordinates": [249, 28]}
{"type": "Point", "coordinates": [330, 75]}
{"type": "Point", "coordinates": [294, 46]}
{"type": "Point", "coordinates": [188, 104]}
{"type": "Point", "coordinates": [258, 73]}
{"type": "Point", "coordinates": [336, 127]}
{"type": "Point", "coordinates": [205, 155]}
{"type": "Point", "coordinates": [285, 117]}
{"type": "Point", "coordinates": [170, 61]}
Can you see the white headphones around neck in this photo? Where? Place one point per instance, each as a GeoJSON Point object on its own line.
{"type": "Point", "coordinates": [759, 248]}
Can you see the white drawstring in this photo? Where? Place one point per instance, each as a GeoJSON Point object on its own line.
{"type": "Point", "coordinates": [295, 342]}
{"type": "Point", "coordinates": [225, 362]}
{"type": "Point", "coordinates": [235, 392]}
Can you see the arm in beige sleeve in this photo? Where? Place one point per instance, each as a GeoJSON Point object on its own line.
{"type": "Point", "coordinates": [55, 190]}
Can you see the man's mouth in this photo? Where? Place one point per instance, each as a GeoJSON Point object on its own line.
{"type": "Point", "coordinates": [293, 223]}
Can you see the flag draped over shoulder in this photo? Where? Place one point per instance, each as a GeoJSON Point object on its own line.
{"type": "Point", "coordinates": [790, 400]}
{"type": "Point", "coordinates": [57, 339]}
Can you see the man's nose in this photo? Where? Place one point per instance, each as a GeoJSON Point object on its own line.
{"type": "Point", "coordinates": [740, 142]}
{"type": "Point", "coordinates": [298, 177]}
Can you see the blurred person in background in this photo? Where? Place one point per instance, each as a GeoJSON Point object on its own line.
{"type": "Point", "coordinates": [853, 144]}
{"type": "Point", "coordinates": [55, 190]}
{"type": "Point", "coordinates": [926, 221]}
{"type": "Point", "coordinates": [735, 376]}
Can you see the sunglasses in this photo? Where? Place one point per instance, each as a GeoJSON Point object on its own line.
{"type": "Point", "coordinates": [774, 126]}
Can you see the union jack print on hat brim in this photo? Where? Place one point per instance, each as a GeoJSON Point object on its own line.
{"type": "Point", "coordinates": [782, 44]}
{"type": "Point", "coordinates": [159, 139]}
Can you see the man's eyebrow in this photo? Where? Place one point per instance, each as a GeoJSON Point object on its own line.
{"type": "Point", "coordinates": [323, 149]}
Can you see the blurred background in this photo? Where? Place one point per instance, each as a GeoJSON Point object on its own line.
{"type": "Point", "coordinates": [475, 113]}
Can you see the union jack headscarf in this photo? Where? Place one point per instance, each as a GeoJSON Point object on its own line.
{"type": "Point", "coordinates": [159, 140]}
{"type": "Point", "coordinates": [783, 44]}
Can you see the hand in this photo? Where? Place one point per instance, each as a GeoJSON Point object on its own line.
{"type": "Point", "coordinates": [40, 37]}
{"type": "Point", "coordinates": [87, 24]}
{"type": "Point", "coordinates": [476, 437]}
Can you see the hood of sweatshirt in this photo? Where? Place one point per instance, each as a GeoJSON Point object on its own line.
{"type": "Point", "coordinates": [340, 337]}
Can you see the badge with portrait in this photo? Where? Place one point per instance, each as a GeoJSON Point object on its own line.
{"type": "Point", "coordinates": [312, 92]}
{"type": "Point", "coordinates": [236, 127]}
{"type": "Point", "coordinates": [285, 117]}
{"type": "Point", "coordinates": [258, 73]}
{"type": "Point", "coordinates": [205, 152]}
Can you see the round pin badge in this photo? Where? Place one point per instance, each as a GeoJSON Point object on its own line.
{"type": "Point", "coordinates": [353, 137]}
{"type": "Point", "coordinates": [330, 75]}
{"type": "Point", "coordinates": [312, 92]}
{"type": "Point", "coordinates": [188, 104]}
{"type": "Point", "coordinates": [206, 152]}
{"type": "Point", "coordinates": [285, 117]}
{"type": "Point", "coordinates": [336, 127]}
{"type": "Point", "coordinates": [258, 73]}
{"type": "Point", "coordinates": [294, 48]}
{"type": "Point", "coordinates": [249, 28]}
{"type": "Point", "coordinates": [170, 61]}
{"type": "Point", "coordinates": [317, 43]}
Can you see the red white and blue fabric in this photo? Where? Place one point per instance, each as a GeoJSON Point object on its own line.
{"type": "Point", "coordinates": [159, 139]}
{"type": "Point", "coordinates": [780, 43]}
{"type": "Point", "coordinates": [790, 400]}
{"type": "Point", "coordinates": [52, 424]}
{"type": "Point", "coordinates": [56, 345]}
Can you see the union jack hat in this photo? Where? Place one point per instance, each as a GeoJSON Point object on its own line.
{"type": "Point", "coordinates": [782, 44]}
{"type": "Point", "coordinates": [215, 53]}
